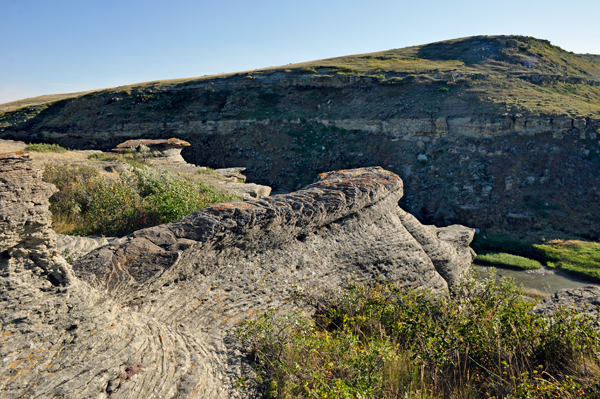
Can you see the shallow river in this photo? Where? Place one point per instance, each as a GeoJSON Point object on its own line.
{"type": "Point", "coordinates": [549, 282]}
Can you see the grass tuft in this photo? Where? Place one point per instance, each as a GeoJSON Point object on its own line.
{"type": "Point", "coordinates": [43, 147]}
{"type": "Point", "coordinates": [507, 260]}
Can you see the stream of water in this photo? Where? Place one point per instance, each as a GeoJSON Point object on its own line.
{"type": "Point", "coordinates": [546, 280]}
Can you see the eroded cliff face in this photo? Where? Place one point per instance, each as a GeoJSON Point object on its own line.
{"type": "Point", "coordinates": [151, 314]}
{"type": "Point", "coordinates": [466, 159]}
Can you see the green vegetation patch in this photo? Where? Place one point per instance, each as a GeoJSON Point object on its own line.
{"type": "Point", "coordinates": [483, 243]}
{"type": "Point", "coordinates": [507, 260]}
{"type": "Point", "coordinates": [45, 148]}
{"type": "Point", "coordinates": [344, 70]}
{"type": "Point", "coordinates": [136, 157]}
{"type": "Point", "coordinates": [580, 258]}
{"type": "Point", "coordinates": [378, 342]}
{"type": "Point", "coordinates": [90, 204]}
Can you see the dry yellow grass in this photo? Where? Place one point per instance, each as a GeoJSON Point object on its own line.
{"type": "Point", "coordinates": [61, 158]}
{"type": "Point", "coordinates": [534, 293]}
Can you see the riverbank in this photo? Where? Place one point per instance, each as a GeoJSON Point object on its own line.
{"type": "Point", "coordinates": [541, 282]}
{"type": "Point", "coordinates": [579, 259]}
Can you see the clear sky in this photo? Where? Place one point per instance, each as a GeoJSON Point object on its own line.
{"type": "Point", "coordinates": [63, 46]}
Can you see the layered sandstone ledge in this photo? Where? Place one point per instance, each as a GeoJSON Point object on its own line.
{"type": "Point", "coordinates": [151, 314]}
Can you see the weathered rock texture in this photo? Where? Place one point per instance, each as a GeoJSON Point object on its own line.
{"type": "Point", "coordinates": [74, 247]}
{"type": "Point", "coordinates": [170, 149]}
{"type": "Point", "coordinates": [60, 338]}
{"type": "Point", "coordinates": [151, 314]}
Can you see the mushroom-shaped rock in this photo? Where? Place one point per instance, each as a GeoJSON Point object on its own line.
{"type": "Point", "coordinates": [169, 148]}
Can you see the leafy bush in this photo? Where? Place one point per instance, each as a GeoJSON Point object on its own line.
{"type": "Point", "coordinates": [379, 342]}
{"type": "Point", "coordinates": [445, 89]}
{"type": "Point", "coordinates": [45, 148]}
{"type": "Point", "coordinates": [507, 260]}
{"type": "Point", "coordinates": [90, 204]}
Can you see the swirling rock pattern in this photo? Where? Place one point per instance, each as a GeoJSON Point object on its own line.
{"type": "Point", "coordinates": [151, 314]}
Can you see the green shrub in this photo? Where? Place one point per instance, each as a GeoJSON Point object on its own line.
{"type": "Point", "coordinates": [98, 156]}
{"type": "Point", "coordinates": [68, 204]}
{"type": "Point", "coordinates": [377, 342]}
{"type": "Point", "coordinates": [90, 204]}
{"type": "Point", "coordinates": [507, 260]}
{"type": "Point", "coordinates": [45, 148]}
{"type": "Point", "coordinates": [344, 70]}
{"type": "Point", "coordinates": [445, 89]}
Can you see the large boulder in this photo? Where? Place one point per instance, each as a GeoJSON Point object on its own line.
{"type": "Point", "coordinates": [152, 314]}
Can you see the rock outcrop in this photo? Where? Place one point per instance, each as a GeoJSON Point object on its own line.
{"type": "Point", "coordinates": [151, 314]}
{"type": "Point", "coordinates": [169, 149]}
{"type": "Point", "coordinates": [58, 336]}
{"type": "Point", "coordinates": [584, 300]}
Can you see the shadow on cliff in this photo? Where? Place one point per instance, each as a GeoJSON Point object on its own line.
{"type": "Point", "coordinates": [471, 50]}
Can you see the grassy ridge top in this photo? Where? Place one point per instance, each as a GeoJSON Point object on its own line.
{"type": "Point", "coordinates": [492, 54]}
{"type": "Point", "coordinates": [515, 74]}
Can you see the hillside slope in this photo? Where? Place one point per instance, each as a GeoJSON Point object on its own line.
{"type": "Point", "coordinates": [494, 132]}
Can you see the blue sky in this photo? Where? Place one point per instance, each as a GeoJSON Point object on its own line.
{"type": "Point", "coordinates": [62, 46]}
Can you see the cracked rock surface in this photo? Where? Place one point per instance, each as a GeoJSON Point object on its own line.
{"type": "Point", "coordinates": [152, 314]}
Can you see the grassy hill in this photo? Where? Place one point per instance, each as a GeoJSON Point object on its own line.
{"type": "Point", "coordinates": [501, 74]}
{"type": "Point", "coordinates": [496, 132]}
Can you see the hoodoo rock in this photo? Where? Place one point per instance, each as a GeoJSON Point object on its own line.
{"type": "Point", "coordinates": [170, 149]}
{"type": "Point", "coordinates": [151, 314]}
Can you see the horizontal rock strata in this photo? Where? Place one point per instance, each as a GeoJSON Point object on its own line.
{"type": "Point", "coordinates": [151, 314]}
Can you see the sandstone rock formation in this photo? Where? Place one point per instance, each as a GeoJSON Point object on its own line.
{"type": "Point", "coordinates": [170, 149]}
{"type": "Point", "coordinates": [247, 191]}
{"type": "Point", "coordinates": [151, 314]}
{"type": "Point", "coordinates": [74, 247]}
{"type": "Point", "coordinates": [60, 338]}
{"type": "Point", "coordinates": [235, 173]}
